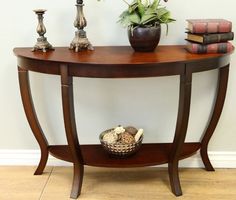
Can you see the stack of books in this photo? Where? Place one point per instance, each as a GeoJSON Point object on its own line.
{"type": "Point", "coordinates": [209, 36]}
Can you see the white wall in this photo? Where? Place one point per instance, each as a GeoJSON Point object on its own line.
{"type": "Point", "coordinates": [150, 103]}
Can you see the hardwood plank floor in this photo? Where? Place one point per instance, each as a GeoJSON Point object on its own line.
{"type": "Point", "coordinates": [18, 183]}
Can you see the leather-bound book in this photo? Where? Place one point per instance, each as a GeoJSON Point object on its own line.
{"type": "Point", "coordinates": [209, 48]}
{"type": "Point", "coordinates": [209, 25]}
{"type": "Point", "coordinates": [210, 38]}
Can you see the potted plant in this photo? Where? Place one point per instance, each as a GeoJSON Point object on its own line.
{"type": "Point", "coordinates": [143, 18]}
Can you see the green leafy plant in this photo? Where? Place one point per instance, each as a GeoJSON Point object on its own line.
{"type": "Point", "coordinates": [145, 13]}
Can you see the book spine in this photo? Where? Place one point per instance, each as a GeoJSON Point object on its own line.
{"type": "Point", "coordinates": [210, 48]}
{"type": "Point", "coordinates": [211, 27]}
{"type": "Point", "coordinates": [215, 38]}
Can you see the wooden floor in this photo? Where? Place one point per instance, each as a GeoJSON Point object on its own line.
{"type": "Point", "coordinates": [18, 183]}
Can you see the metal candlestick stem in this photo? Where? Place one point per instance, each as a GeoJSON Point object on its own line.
{"type": "Point", "coordinates": [42, 43]}
{"type": "Point", "coordinates": [80, 41]}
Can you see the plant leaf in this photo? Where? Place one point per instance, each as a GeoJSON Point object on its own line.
{"type": "Point", "coordinates": [150, 10]}
{"type": "Point", "coordinates": [161, 11]}
{"type": "Point", "coordinates": [133, 7]}
{"type": "Point", "coordinates": [155, 4]}
{"type": "Point", "coordinates": [141, 8]}
{"type": "Point", "coordinates": [145, 3]}
{"type": "Point", "coordinates": [165, 17]}
{"type": "Point", "coordinates": [134, 18]}
{"type": "Point", "coordinates": [146, 13]}
{"type": "Point", "coordinates": [148, 18]}
{"type": "Point", "coordinates": [124, 19]}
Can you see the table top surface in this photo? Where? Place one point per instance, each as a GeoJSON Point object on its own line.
{"type": "Point", "coordinates": [117, 55]}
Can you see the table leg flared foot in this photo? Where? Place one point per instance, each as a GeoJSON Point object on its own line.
{"type": "Point", "coordinates": [42, 163]}
{"type": "Point", "coordinates": [32, 118]}
{"type": "Point", "coordinates": [71, 132]}
{"type": "Point", "coordinates": [77, 181]}
{"type": "Point", "coordinates": [180, 132]}
{"type": "Point", "coordinates": [217, 110]}
{"type": "Point", "coordinates": [206, 160]}
{"type": "Point", "coordinates": [174, 179]}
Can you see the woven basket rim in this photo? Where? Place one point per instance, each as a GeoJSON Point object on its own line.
{"type": "Point", "coordinates": [109, 130]}
{"type": "Point", "coordinates": [119, 149]}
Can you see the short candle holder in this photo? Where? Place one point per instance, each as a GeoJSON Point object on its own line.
{"type": "Point", "coordinates": [80, 41]}
{"type": "Point", "coordinates": [42, 43]}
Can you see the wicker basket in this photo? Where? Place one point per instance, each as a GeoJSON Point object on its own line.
{"type": "Point", "coordinates": [120, 149]}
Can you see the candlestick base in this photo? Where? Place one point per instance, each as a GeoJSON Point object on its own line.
{"type": "Point", "coordinates": [42, 45]}
{"type": "Point", "coordinates": [80, 42]}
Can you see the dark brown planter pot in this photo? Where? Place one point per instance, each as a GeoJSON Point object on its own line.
{"type": "Point", "coordinates": [145, 39]}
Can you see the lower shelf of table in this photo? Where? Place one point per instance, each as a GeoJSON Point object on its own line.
{"type": "Point", "coordinates": [148, 155]}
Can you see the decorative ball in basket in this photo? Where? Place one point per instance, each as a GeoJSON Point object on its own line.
{"type": "Point", "coordinates": [121, 141]}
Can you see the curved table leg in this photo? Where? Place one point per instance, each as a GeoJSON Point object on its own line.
{"type": "Point", "coordinates": [70, 128]}
{"type": "Point", "coordinates": [219, 103]}
{"type": "Point", "coordinates": [32, 118]}
{"type": "Point", "coordinates": [180, 132]}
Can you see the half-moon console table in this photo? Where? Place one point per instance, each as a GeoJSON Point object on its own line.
{"type": "Point", "coordinates": [121, 62]}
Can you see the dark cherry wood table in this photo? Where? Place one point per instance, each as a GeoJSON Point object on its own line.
{"type": "Point", "coordinates": [121, 62]}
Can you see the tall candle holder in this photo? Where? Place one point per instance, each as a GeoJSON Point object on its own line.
{"type": "Point", "coordinates": [80, 41]}
{"type": "Point", "coordinates": [42, 43]}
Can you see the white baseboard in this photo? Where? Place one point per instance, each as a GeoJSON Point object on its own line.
{"type": "Point", "coordinates": [31, 157]}
{"type": "Point", "coordinates": [27, 158]}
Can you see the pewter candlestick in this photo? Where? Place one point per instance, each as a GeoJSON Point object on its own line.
{"type": "Point", "coordinates": [80, 41]}
{"type": "Point", "coordinates": [42, 43]}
